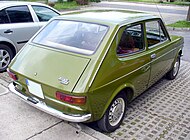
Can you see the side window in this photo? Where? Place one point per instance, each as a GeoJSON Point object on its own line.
{"type": "Point", "coordinates": [131, 41]}
{"type": "Point", "coordinates": [44, 13]}
{"type": "Point", "coordinates": [154, 33]}
{"type": "Point", "coordinates": [19, 14]}
{"type": "Point", "coordinates": [3, 17]}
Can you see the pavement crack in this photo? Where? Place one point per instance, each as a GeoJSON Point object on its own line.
{"type": "Point", "coordinates": [44, 130]}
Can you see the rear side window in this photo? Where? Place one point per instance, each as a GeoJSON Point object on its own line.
{"type": "Point", "coordinates": [19, 14]}
{"type": "Point", "coordinates": [3, 17]}
{"type": "Point", "coordinates": [154, 33]}
{"type": "Point", "coordinates": [73, 36]}
{"type": "Point", "coordinates": [132, 40]}
{"type": "Point", "coordinates": [44, 13]}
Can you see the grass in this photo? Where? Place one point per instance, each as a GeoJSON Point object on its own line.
{"type": "Point", "coordinates": [66, 5]}
{"type": "Point", "coordinates": [60, 5]}
{"type": "Point", "coordinates": [180, 24]}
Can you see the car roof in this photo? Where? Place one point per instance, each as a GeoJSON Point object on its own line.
{"type": "Point", "coordinates": [108, 16]}
{"type": "Point", "coordinates": [4, 4]}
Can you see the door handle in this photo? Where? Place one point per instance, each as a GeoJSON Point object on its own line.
{"type": "Point", "coordinates": [153, 56]}
{"type": "Point", "coordinates": [8, 31]}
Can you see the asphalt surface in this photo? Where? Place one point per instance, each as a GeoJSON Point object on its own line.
{"type": "Point", "coordinates": [144, 7]}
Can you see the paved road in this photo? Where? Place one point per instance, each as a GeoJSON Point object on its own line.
{"type": "Point", "coordinates": [186, 49]}
{"type": "Point", "coordinates": [144, 7]}
{"type": "Point", "coordinates": [170, 14]}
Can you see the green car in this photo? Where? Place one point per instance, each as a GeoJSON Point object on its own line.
{"type": "Point", "coordinates": [88, 66]}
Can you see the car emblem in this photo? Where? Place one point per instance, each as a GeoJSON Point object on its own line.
{"type": "Point", "coordinates": [35, 74]}
{"type": "Point", "coordinates": [63, 81]}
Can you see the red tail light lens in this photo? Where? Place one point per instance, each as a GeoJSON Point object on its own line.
{"type": "Point", "coordinates": [12, 75]}
{"type": "Point", "coordinates": [78, 100]}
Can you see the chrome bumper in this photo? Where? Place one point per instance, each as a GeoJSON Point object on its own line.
{"type": "Point", "coordinates": [42, 106]}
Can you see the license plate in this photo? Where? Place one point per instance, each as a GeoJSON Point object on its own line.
{"type": "Point", "coordinates": [34, 88]}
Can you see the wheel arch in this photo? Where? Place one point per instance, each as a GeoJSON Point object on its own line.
{"type": "Point", "coordinates": [179, 53]}
{"type": "Point", "coordinates": [127, 89]}
{"type": "Point", "coordinates": [10, 45]}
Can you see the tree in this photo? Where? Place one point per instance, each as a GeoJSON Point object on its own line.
{"type": "Point", "coordinates": [188, 14]}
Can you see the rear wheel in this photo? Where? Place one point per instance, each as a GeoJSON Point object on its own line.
{"type": "Point", "coordinates": [114, 115]}
{"type": "Point", "coordinates": [175, 69]}
{"type": "Point", "coordinates": [6, 55]}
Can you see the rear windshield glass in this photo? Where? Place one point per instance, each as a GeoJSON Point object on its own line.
{"type": "Point", "coordinates": [79, 37]}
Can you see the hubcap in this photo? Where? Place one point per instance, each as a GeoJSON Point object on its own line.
{"type": "Point", "coordinates": [176, 68]}
{"type": "Point", "coordinates": [116, 111]}
{"type": "Point", "coordinates": [4, 59]}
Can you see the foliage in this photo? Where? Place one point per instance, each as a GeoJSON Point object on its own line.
{"type": "Point", "coordinates": [180, 24]}
{"type": "Point", "coordinates": [66, 5]}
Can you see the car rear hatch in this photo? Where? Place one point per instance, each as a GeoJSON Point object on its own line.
{"type": "Point", "coordinates": [49, 67]}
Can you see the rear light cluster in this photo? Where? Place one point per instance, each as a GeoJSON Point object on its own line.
{"type": "Point", "coordinates": [12, 75]}
{"type": "Point", "coordinates": [78, 100]}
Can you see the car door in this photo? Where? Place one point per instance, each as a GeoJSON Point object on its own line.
{"type": "Point", "coordinates": [134, 60]}
{"type": "Point", "coordinates": [161, 53]}
{"type": "Point", "coordinates": [19, 26]}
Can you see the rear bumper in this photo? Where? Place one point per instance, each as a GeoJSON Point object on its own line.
{"type": "Point", "coordinates": [42, 106]}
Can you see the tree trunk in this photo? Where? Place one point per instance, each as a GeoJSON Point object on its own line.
{"type": "Point", "coordinates": [188, 14]}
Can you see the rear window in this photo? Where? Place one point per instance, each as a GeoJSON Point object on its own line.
{"type": "Point", "coordinates": [73, 36]}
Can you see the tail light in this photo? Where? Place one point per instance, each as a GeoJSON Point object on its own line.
{"type": "Point", "coordinates": [78, 100]}
{"type": "Point", "coordinates": [12, 75]}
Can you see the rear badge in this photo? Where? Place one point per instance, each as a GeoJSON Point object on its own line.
{"type": "Point", "coordinates": [63, 81]}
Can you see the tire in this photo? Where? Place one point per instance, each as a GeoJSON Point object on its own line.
{"type": "Point", "coordinates": [175, 69]}
{"type": "Point", "coordinates": [118, 107]}
{"type": "Point", "coordinates": [6, 55]}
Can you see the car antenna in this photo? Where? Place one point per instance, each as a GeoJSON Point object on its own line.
{"type": "Point", "coordinates": [159, 11]}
